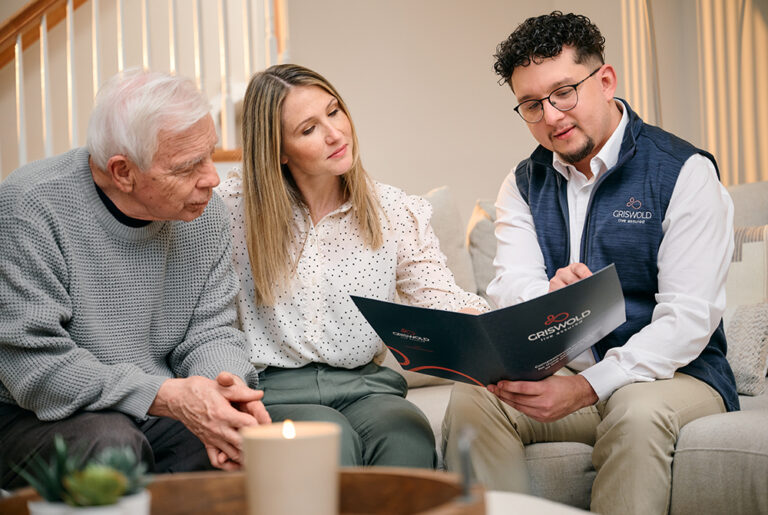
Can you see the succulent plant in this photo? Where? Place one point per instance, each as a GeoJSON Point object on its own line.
{"type": "Point", "coordinates": [124, 460]}
{"type": "Point", "coordinates": [95, 485]}
{"type": "Point", "coordinates": [46, 477]}
{"type": "Point", "coordinates": [65, 478]}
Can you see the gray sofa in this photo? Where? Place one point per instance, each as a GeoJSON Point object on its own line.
{"type": "Point", "coordinates": [721, 461]}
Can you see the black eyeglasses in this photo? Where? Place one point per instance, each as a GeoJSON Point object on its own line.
{"type": "Point", "coordinates": [563, 98]}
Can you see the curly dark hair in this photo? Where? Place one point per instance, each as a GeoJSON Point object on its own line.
{"type": "Point", "coordinates": [544, 36]}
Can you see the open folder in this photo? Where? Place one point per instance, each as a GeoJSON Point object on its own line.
{"type": "Point", "coordinates": [527, 341]}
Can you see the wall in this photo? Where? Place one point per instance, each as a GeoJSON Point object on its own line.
{"type": "Point", "coordinates": [417, 75]}
{"type": "Point", "coordinates": [418, 79]}
{"type": "Point", "coordinates": [9, 7]}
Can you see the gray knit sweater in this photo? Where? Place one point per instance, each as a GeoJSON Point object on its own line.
{"type": "Point", "coordinates": [95, 315]}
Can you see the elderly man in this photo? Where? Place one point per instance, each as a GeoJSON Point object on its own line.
{"type": "Point", "coordinates": [604, 187]}
{"type": "Point", "coordinates": [116, 291]}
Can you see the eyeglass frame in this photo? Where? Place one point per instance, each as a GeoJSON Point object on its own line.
{"type": "Point", "coordinates": [547, 98]}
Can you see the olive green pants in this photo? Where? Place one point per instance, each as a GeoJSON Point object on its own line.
{"type": "Point", "coordinates": [378, 426]}
{"type": "Point", "coordinates": [633, 434]}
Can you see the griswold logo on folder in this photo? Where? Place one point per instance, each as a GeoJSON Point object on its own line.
{"type": "Point", "coordinates": [558, 324]}
{"type": "Point", "coordinates": [407, 334]}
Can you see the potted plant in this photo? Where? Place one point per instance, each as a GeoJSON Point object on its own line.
{"type": "Point", "coordinates": [110, 484]}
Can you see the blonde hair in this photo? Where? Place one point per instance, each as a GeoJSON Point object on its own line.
{"type": "Point", "coordinates": [269, 192]}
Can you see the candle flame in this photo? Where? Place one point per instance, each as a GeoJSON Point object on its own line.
{"type": "Point", "coordinates": [289, 429]}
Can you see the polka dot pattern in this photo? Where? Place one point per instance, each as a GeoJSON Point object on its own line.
{"type": "Point", "coordinates": [313, 318]}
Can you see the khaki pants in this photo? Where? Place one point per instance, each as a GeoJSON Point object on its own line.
{"type": "Point", "coordinates": [633, 433]}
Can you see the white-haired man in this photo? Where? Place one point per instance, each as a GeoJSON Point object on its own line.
{"type": "Point", "coordinates": [116, 291]}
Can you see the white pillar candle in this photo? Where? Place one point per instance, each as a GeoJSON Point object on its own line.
{"type": "Point", "coordinates": [292, 468]}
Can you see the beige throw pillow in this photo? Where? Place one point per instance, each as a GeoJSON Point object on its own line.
{"type": "Point", "coordinates": [481, 241]}
{"type": "Point", "coordinates": [747, 336]}
{"type": "Point", "coordinates": [446, 222]}
{"type": "Point", "coordinates": [746, 315]}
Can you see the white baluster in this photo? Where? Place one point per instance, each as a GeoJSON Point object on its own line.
{"type": "Point", "coordinates": [197, 31]}
{"type": "Point", "coordinates": [258, 30]}
{"type": "Point", "coordinates": [120, 40]}
{"type": "Point", "coordinates": [247, 40]}
{"type": "Point", "coordinates": [227, 109]}
{"type": "Point", "coordinates": [270, 46]}
{"type": "Point", "coordinates": [95, 48]}
{"type": "Point", "coordinates": [172, 43]}
{"type": "Point", "coordinates": [45, 88]}
{"type": "Point", "coordinates": [145, 45]}
{"type": "Point", "coordinates": [71, 89]}
{"type": "Point", "coordinates": [284, 35]}
{"type": "Point", "coordinates": [21, 122]}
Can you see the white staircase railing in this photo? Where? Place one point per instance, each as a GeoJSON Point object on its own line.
{"type": "Point", "coordinates": [219, 43]}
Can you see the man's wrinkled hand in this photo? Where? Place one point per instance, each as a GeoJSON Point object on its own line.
{"type": "Point", "coordinates": [207, 408]}
{"type": "Point", "coordinates": [549, 399]}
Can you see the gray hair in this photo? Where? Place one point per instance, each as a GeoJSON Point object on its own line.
{"type": "Point", "coordinates": [133, 107]}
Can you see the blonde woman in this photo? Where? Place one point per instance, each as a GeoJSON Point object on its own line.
{"type": "Point", "coordinates": [310, 229]}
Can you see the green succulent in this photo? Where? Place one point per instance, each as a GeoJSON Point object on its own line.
{"type": "Point", "coordinates": [124, 460]}
{"type": "Point", "coordinates": [95, 485]}
{"type": "Point", "coordinates": [46, 477]}
{"type": "Point", "coordinates": [66, 478]}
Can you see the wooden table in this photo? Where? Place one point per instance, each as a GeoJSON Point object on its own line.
{"type": "Point", "coordinates": [377, 490]}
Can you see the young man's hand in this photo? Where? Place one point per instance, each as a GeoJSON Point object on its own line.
{"type": "Point", "coordinates": [569, 275]}
{"type": "Point", "coordinates": [549, 399]}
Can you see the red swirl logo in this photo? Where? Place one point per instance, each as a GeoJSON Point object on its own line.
{"type": "Point", "coordinates": [634, 203]}
{"type": "Point", "coordinates": [551, 319]}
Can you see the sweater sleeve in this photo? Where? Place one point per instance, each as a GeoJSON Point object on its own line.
{"type": "Point", "coordinates": [41, 368]}
{"type": "Point", "coordinates": [213, 342]}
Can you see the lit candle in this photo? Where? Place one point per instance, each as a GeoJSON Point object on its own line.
{"type": "Point", "coordinates": [292, 468]}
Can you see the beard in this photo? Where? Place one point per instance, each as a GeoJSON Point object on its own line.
{"type": "Point", "coordinates": [579, 155]}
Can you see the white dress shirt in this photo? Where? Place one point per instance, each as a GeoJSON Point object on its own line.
{"type": "Point", "coordinates": [693, 262]}
{"type": "Point", "coordinates": [313, 318]}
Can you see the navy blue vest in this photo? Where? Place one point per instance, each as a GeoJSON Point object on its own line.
{"type": "Point", "coordinates": [623, 226]}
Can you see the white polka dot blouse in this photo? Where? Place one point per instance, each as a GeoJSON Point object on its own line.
{"type": "Point", "coordinates": [313, 318]}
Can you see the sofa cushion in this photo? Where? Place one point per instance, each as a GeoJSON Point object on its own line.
{"type": "Point", "coordinates": [481, 241]}
{"type": "Point", "coordinates": [446, 222]}
{"type": "Point", "coordinates": [749, 203]}
{"type": "Point", "coordinates": [754, 402]}
{"type": "Point", "coordinates": [433, 401]}
{"type": "Point", "coordinates": [721, 465]}
{"type": "Point", "coordinates": [561, 472]}
{"type": "Point", "coordinates": [748, 275]}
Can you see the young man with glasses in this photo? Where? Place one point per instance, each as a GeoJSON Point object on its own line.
{"type": "Point", "coordinates": [603, 187]}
